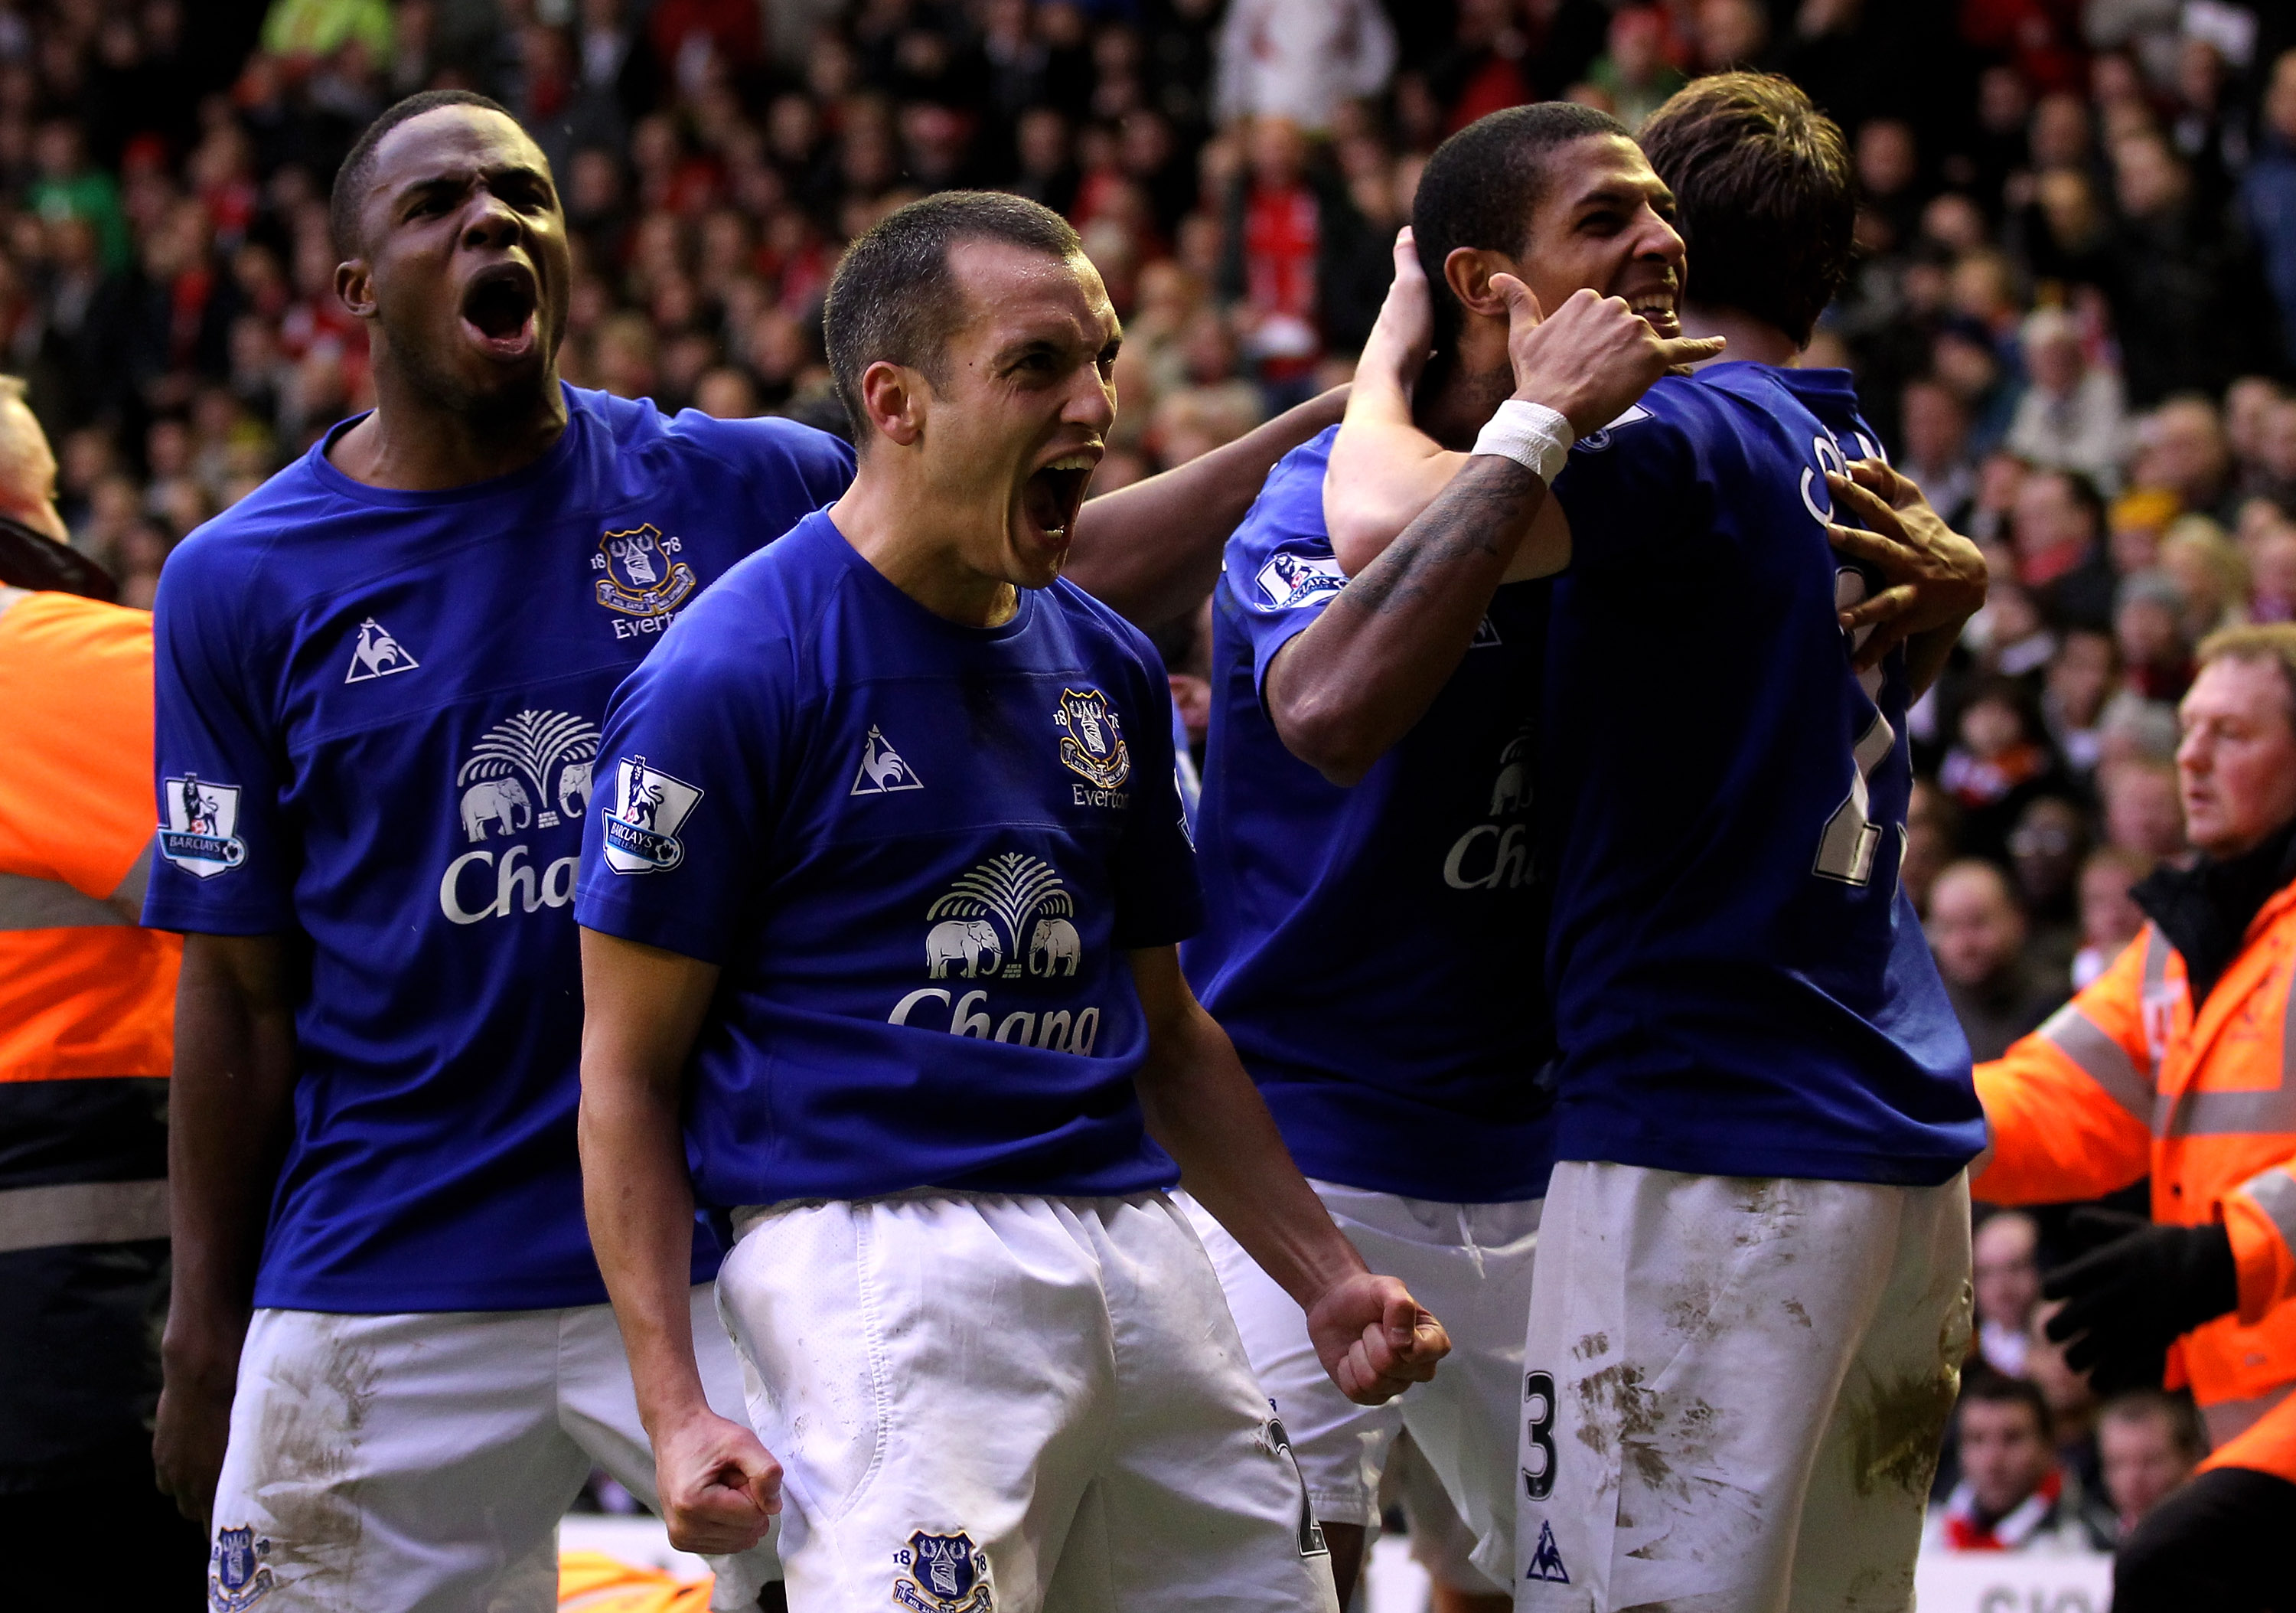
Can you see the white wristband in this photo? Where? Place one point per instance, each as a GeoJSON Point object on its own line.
{"type": "Point", "coordinates": [1535, 437]}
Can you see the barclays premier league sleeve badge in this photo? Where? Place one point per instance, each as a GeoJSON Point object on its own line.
{"type": "Point", "coordinates": [643, 817]}
{"type": "Point", "coordinates": [200, 836]}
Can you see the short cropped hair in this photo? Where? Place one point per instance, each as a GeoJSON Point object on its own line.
{"type": "Point", "coordinates": [1765, 196]}
{"type": "Point", "coordinates": [358, 170]}
{"type": "Point", "coordinates": [2273, 641]}
{"type": "Point", "coordinates": [2186, 1431]}
{"type": "Point", "coordinates": [1998, 1389]}
{"type": "Point", "coordinates": [894, 297]}
{"type": "Point", "coordinates": [1481, 187]}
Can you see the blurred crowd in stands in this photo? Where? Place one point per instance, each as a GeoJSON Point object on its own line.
{"type": "Point", "coordinates": [2073, 320]}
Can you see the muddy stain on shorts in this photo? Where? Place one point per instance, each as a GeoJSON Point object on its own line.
{"type": "Point", "coordinates": [313, 1414]}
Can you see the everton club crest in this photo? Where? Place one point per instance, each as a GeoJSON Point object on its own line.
{"type": "Point", "coordinates": [639, 574]}
{"type": "Point", "coordinates": [942, 1573]}
{"type": "Point", "coordinates": [237, 1578]}
{"type": "Point", "coordinates": [1094, 737]}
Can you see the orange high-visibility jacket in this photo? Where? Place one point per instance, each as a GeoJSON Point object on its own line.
{"type": "Point", "coordinates": [2125, 1079]}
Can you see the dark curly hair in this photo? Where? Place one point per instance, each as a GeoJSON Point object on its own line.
{"type": "Point", "coordinates": [1765, 193]}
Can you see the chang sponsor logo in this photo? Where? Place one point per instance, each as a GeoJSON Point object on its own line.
{"type": "Point", "coordinates": [1496, 855]}
{"type": "Point", "coordinates": [1008, 919]}
{"type": "Point", "coordinates": [530, 772]}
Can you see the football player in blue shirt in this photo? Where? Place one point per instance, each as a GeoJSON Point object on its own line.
{"type": "Point", "coordinates": [1373, 911]}
{"type": "Point", "coordinates": [1751, 1298]}
{"type": "Point", "coordinates": [923, 1031]}
{"type": "Point", "coordinates": [380, 679]}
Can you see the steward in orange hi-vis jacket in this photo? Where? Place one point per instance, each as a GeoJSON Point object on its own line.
{"type": "Point", "coordinates": [2180, 1061]}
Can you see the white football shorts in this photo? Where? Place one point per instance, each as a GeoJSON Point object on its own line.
{"type": "Point", "coordinates": [1468, 1263]}
{"type": "Point", "coordinates": [1734, 1390]}
{"type": "Point", "coordinates": [1001, 1403]}
{"type": "Point", "coordinates": [420, 1462]}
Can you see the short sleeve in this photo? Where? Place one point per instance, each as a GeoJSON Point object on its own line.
{"type": "Point", "coordinates": [1159, 902]}
{"type": "Point", "coordinates": [227, 861]}
{"type": "Point", "coordinates": [685, 807]}
{"type": "Point", "coordinates": [787, 465]}
{"type": "Point", "coordinates": [76, 709]}
{"type": "Point", "coordinates": [1632, 490]}
{"type": "Point", "coordinates": [1281, 571]}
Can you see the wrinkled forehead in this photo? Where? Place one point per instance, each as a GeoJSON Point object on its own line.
{"type": "Point", "coordinates": [451, 142]}
{"type": "Point", "coordinates": [1012, 294]}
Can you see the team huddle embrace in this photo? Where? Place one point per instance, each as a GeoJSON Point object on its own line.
{"type": "Point", "coordinates": [707, 962]}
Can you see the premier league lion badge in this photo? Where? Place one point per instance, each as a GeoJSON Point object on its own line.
{"type": "Point", "coordinates": [945, 1574]}
{"type": "Point", "coordinates": [238, 1579]}
{"type": "Point", "coordinates": [642, 825]}
{"type": "Point", "coordinates": [1094, 746]}
{"type": "Point", "coordinates": [200, 835]}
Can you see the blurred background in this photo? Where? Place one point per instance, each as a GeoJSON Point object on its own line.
{"type": "Point", "coordinates": [2072, 317]}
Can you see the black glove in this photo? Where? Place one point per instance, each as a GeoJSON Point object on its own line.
{"type": "Point", "coordinates": [2138, 1289]}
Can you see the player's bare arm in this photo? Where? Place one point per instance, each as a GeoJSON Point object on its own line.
{"type": "Point", "coordinates": [231, 1110]}
{"type": "Point", "coordinates": [1936, 577]}
{"type": "Point", "coordinates": [642, 1008]}
{"type": "Point", "coordinates": [1151, 551]}
{"type": "Point", "coordinates": [1202, 1108]}
{"type": "Point", "coordinates": [1349, 686]}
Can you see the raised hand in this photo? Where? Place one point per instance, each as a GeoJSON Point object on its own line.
{"type": "Point", "coordinates": [719, 1487]}
{"type": "Point", "coordinates": [1373, 1340]}
{"type": "Point", "coordinates": [1404, 333]}
{"type": "Point", "coordinates": [1590, 358]}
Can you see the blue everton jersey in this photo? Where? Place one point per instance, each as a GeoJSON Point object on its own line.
{"type": "Point", "coordinates": [1374, 951]}
{"type": "Point", "coordinates": [919, 850]}
{"type": "Point", "coordinates": [378, 733]}
{"type": "Point", "coordinates": [1741, 988]}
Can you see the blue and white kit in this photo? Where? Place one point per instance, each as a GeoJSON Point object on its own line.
{"type": "Point", "coordinates": [1374, 953]}
{"type": "Point", "coordinates": [1764, 1100]}
{"type": "Point", "coordinates": [919, 852]}
{"type": "Point", "coordinates": [377, 727]}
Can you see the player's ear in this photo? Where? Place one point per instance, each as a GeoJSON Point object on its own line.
{"type": "Point", "coordinates": [355, 287]}
{"type": "Point", "coordinates": [892, 398]}
{"type": "Point", "coordinates": [1467, 270]}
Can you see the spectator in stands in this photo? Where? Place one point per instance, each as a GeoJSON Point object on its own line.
{"type": "Point", "coordinates": [2109, 918]}
{"type": "Point", "coordinates": [1978, 931]}
{"type": "Point", "coordinates": [2073, 1425]}
{"type": "Point", "coordinates": [1999, 760]}
{"type": "Point", "coordinates": [2082, 676]}
{"type": "Point", "coordinates": [2148, 629]}
{"type": "Point", "coordinates": [2012, 1496]}
{"type": "Point", "coordinates": [2210, 571]}
{"type": "Point", "coordinates": [1302, 60]}
{"type": "Point", "coordinates": [2142, 813]}
{"type": "Point", "coordinates": [2181, 447]}
{"type": "Point", "coordinates": [1933, 429]}
{"type": "Point", "coordinates": [2058, 522]}
{"type": "Point", "coordinates": [2072, 416]}
{"type": "Point", "coordinates": [2007, 1282]}
{"type": "Point", "coordinates": [2046, 849]}
{"type": "Point", "coordinates": [2268, 194]}
{"type": "Point", "coordinates": [2148, 1444]}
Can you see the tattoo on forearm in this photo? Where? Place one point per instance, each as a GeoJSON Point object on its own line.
{"type": "Point", "coordinates": [1484, 500]}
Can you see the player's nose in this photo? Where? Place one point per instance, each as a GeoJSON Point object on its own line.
{"type": "Point", "coordinates": [491, 222]}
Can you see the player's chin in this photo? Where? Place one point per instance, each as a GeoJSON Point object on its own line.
{"type": "Point", "coordinates": [1036, 553]}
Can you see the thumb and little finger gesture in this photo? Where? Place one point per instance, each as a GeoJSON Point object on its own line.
{"type": "Point", "coordinates": [720, 1486]}
{"type": "Point", "coordinates": [1932, 576]}
{"type": "Point", "coordinates": [1590, 358]}
{"type": "Point", "coordinates": [1373, 1338]}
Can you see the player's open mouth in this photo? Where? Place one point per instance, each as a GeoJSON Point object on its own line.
{"type": "Point", "coordinates": [1658, 308]}
{"type": "Point", "coordinates": [1051, 497]}
{"type": "Point", "coordinates": [499, 307]}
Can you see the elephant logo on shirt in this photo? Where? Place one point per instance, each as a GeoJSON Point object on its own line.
{"type": "Point", "coordinates": [573, 790]}
{"type": "Point", "coordinates": [503, 803]}
{"type": "Point", "coordinates": [1007, 914]}
{"type": "Point", "coordinates": [971, 942]}
{"type": "Point", "coordinates": [1051, 944]}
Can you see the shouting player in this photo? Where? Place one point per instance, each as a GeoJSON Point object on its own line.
{"type": "Point", "coordinates": [936, 1026]}
{"type": "Point", "coordinates": [1373, 914]}
{"type": "Point", "coordinates": [380, 679]}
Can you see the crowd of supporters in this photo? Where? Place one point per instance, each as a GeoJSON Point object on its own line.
{"type": "Point", "coordinates": [2073, 319]}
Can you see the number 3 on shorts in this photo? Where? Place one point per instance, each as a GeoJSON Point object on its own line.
{"type": "Point", "coordinates": [1538, 1426]}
